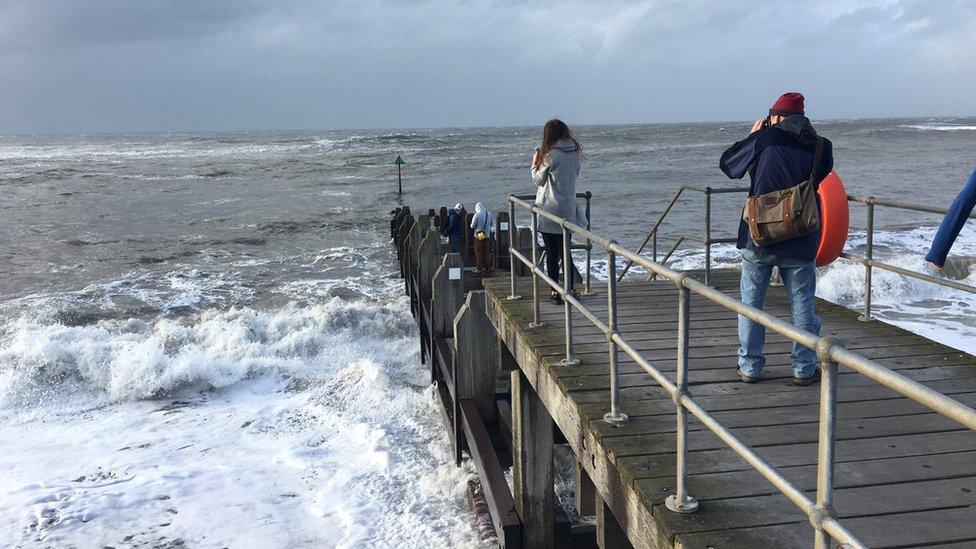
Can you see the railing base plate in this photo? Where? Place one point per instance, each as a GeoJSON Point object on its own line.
{"type": "Point", "coordinates": [536, 324]}
{"type": "Point", "coordinates": [568, 362]}
{"type": "Point", "coordinates": [690, 505]}
{"type": "Point", "coordinates": [616, 419]}
{"type": "Point", "coordinates": [513, 297]}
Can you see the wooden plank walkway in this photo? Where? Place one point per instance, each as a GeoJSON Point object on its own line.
{"type": "Point", "coordinates": [905, 476]}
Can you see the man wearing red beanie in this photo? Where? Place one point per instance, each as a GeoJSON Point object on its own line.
{"type": "Point", "coordinates": [779, 154]}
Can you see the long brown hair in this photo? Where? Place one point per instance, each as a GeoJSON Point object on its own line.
{"type": "Point", "coordinates": [555, 131]}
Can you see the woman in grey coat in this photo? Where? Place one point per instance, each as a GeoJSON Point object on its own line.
{"type": "Point", "coordinates": [555, 167]}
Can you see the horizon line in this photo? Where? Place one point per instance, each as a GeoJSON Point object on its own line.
{"type": "Point", "coordinates": [432, 128]}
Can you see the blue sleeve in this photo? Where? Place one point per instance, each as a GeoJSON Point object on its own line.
{"type": "Point", "coordinates": [737, 160]}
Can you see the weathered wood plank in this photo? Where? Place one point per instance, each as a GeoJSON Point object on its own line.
{"type": "Point", "coordinates": [447, 295]}
{"type": "Point", "coordinates": [621, 498]}
{"type": "Point", "coordinates": [475, 347]}
{"type": "Point", "coordinates": [853, 474]}
{"type": "Point", "coordinates": [584, 493]}
{"type": "Point", "coordinates": [532, 470]}
{"type": "Point", "coordinates": [724, 460]}
{"type": "Point", "coordinates": [508, 527]}
{"type": "Point", "coordinates": [609, 534]}
{"type": "Point", "coordinates": [886, 444]}
{"type": "Point", "coordinates": [428, 259]}
{"type": "Point", "coordinates": [502, 228]}
{"type": "Point", "coordinates": [896, 530]}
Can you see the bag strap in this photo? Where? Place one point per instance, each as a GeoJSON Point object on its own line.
{"type": "Point", "coordinates": [817, 155]}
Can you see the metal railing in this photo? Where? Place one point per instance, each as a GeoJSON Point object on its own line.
{"type": "Point", "coordinates": [830, 352]}
{"type": "Point", "coordinates": [706, 238]}
{"type": "Point", "coordinates": [586, 245]}
{"type": "Point", "coordinates": [868, 261]}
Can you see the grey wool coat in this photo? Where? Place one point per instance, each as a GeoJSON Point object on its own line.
{"type": "Point", "coordinates": [556, 179]}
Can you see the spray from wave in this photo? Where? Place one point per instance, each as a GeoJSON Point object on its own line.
{"type": "Point", "coordinates": [323, 408]}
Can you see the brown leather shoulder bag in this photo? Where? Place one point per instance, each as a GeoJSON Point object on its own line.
{"type": "Point", "coordinates": [787, 214]}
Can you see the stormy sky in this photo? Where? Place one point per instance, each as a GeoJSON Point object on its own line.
{"type": "Point", "coordinates": [160, 65]}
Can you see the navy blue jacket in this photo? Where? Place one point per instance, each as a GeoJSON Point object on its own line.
{"type": "Point", "coordinates": [778, 158]}
{"type": "Point", "coordinates": [453, 227]}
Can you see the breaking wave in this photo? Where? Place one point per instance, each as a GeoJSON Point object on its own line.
{"type": "Point", "coordinates": [939, 127]}
{"type": "Point", "coordinates": [133, 359]}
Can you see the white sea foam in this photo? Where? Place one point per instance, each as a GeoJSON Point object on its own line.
{"type": "Point", "coordinates": [939, 127]}
{"type": "Point", "coordinates": [293, 427]}
{"type": "Point", "coordinates": [132, 359]}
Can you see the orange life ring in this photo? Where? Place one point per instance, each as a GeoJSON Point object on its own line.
{"type": "Point", "coordinates": [834, 219]}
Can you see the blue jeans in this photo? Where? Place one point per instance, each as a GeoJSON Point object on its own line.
{"type": "Point", "coordinates": [800, 281]}
{"type": "Point", "coordinates": [455, 243]}
{"type": "Point", "coordinates": [953, 222]}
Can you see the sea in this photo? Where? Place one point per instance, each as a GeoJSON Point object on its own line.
{"type": "Point", "coordinates": [204, 341]}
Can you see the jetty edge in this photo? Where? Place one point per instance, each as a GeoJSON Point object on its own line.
{"type": "Point", "coordinates": [881, 453]}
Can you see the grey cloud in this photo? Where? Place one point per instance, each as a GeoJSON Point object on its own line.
{"type": "Point", "coordinates": [223, 64]}
{"type": "Point", "coordinates": [56, 25]}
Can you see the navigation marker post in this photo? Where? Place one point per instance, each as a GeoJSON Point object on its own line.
{"type": "Point", "coordinates": [399, 162]}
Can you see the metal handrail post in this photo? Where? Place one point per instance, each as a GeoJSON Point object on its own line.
{"type": "Point", "coordinates": [614, 416]}
{"type": "Point", "coordinates": [654, 246]}
{"type": "Point", "coordinates": [680, 501]}
{"type": "Point", "coordinates": [825, 451]}
{"type": "Point", "coordinates": [567, 289]}
{"type": "Point", "coordinates": [869, 255]}
{"type": "Point", "coordinates": [589, 247]}
{"type": "Point", "coordinates": [708, 233]}
{"type": "Point", "coordinates": [536, 322]}
{"type": "Point", "coordinates": [511, 247]}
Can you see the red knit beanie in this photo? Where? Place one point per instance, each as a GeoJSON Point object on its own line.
{"type": "Point", "coordinates": [788, 103]}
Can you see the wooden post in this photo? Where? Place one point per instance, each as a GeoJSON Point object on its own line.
{"type": "Point", "coordinates": [447, 295]}
{"type": "Point", "coordinates": [401, 214]}
{"type": "Point", "coordinates": [419, 227]}
{"type": "Point", "coordinates": [403, 232]}
{"type": "Point", "coordinates": [417, 233]}
{"type": "Point", "coordinates": [429, 259]}
{"type": "Point", "coordinates": [532, 470]}
{"type": "Point", "coordinates": [584, 493]}
{"type": "Point", "coordinates": [474, 348]}
{"type": "Point", "coordinates": [500, 259]}
{"type": "Point", "coordinates": [609, 534]}
{"type": "Point", "coordinates": [393, 222]}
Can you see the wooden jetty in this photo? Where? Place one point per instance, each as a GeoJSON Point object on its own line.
{"type": "Point", "coordinates": [904, 476]}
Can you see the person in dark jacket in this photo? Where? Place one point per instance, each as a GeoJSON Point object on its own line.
{"type": "Point", "coordinates": [454, 228]}
{"type": "Point", "coordinates": [778, 154]}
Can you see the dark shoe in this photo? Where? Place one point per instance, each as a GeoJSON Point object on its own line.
{"type": "Point", "coordinates": [556, 298]}
{"type": "Point", "coordinates": [804, 381]}
{"type": "Point", "coordinates": [747, 379]}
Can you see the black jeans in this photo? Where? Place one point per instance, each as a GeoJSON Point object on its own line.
{"type": "Point", "coordinates": [554, 256]}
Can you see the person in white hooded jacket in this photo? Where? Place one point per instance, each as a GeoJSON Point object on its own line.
{"type": "Point", "coordinates": [482, 223]}
{"type": "Point", "coordinates": [555, 167]}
